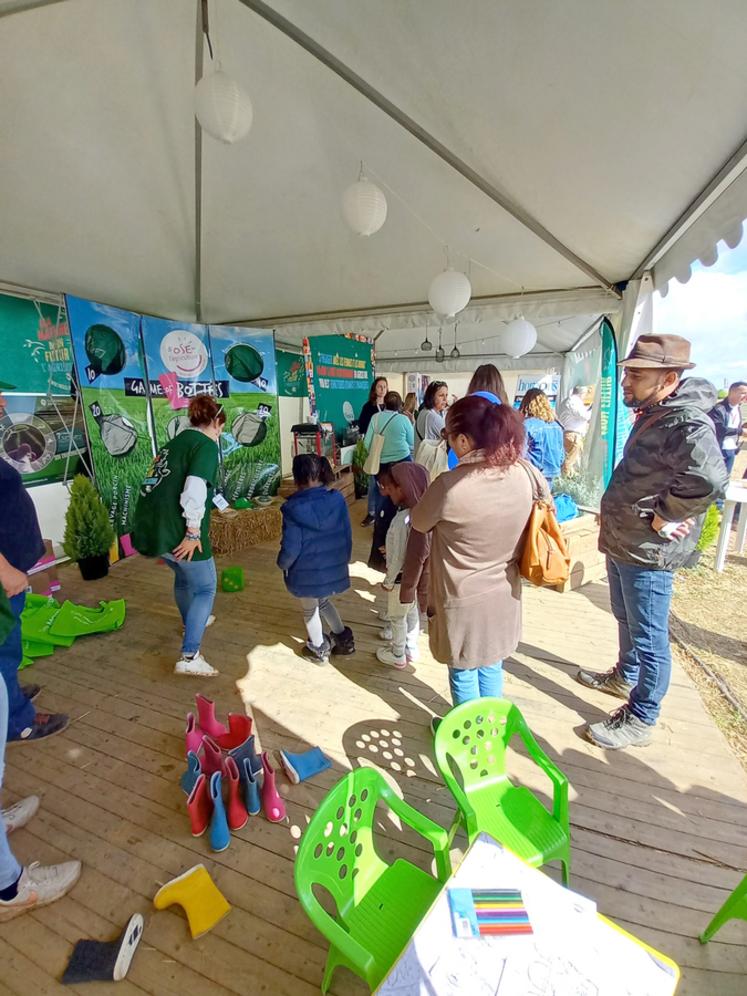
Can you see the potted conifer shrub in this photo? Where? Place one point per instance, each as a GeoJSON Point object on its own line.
{"type": "Point", "coordinates": [360, 477]}
{"type": "Point", "coordinates": [88, 532]}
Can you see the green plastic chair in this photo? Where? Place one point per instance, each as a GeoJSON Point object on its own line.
{"type": "Point", "coordinates": [471, 740]}
{"type": "Point", "coordinates": [378, 905]}
{"type": "Point", "coordinates": [735, 908]}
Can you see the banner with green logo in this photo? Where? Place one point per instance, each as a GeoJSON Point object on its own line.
{"type": "Point", "coordinates": [608, 400]}
{"type": "Point", "coordinates": [339, 371]}
{"type": "Point", "coordinates": [291, 374]}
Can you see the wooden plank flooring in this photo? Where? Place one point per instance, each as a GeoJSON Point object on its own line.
{"type": "Point", "coordinates": [659, 835]}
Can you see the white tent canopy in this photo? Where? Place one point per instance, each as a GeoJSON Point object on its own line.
{"type": "Point", "coordinates": [598, 138]}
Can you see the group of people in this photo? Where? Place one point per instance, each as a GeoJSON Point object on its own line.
{"type": "Point", "coordinates": [449, 549]}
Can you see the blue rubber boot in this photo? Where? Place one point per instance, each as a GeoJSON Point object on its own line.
{"type": "Point", "coordinates": [220, 836]}
{"type": "Point", "coordinates": [246, 750]}
{"type": "Point", "coordinates": [193, 772]}
{"type": "Point", "coordinates": [299, 767]}
{"type": "Point", "coordinates": [250, 785]}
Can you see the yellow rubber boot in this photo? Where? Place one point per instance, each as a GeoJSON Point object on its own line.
{"type": "Point", "coordinates": [199, 897]}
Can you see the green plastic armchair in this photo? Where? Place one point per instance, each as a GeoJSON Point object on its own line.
{"type": "Point", "coordinates": [470, 746]}
{"type": "Point", "coordinates": [378, 905]}
{"type": "Point", "coordinates": [735, 908]}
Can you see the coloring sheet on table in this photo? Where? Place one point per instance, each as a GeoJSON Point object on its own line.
{"type": "Point", "coordinates": [572, 952]}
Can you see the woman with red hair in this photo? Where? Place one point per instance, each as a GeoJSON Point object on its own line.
{"type": "Point", "coordinates": [477, 514]}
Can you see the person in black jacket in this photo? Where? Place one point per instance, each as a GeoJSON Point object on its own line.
{"type": "Point", "coordinates": [727, 418]}
{"type": "Point", "coordinates": [650, 521]}
{"type": "Point", "coordinates": [374, 404]}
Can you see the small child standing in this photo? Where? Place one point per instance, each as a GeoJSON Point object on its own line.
{"type": "Point", "coordinates": [406, 564]}
{"type": "Point", "coordinates": [315, 553]}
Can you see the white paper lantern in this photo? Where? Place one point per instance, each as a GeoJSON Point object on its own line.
{"type": "Point", "coordinates": [223, 107]}
{"type": "Point", "coordinates": [449, 293]}
{"type": "Point", "coordinates": [518, 337]}
{"type": "Point", "coordinates": [364, 207]}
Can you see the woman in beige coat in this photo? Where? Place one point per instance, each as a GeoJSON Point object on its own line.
{"type": "Point", "coordinates": [477, 514]}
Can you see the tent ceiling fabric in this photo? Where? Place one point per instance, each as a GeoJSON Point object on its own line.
{"type": "Point", "coordinates": [602, 121]}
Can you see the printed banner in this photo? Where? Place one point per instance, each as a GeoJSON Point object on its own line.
{"type": "Point", "coordinates": [177, 357]}
{"type": "Point", "coordinates": [549, 383]}
{"type": "Point", "coordinates": [106, 344]}
{"type": "Point", "coordinates": [38, 438]}
{"type": "Point", "coordinates": [244, 370]}
{"type": "Point", "coordinates": [37, 354]}
{"type": "Point", "coordinates": [608, 400]}
{"type": "Point", "coordinates": [291, 374]}
{"type": "Point", "coordinates": [339, 371]}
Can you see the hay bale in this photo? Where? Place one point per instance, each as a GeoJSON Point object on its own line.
{"type": "Point", "coordinates": [238, 529]}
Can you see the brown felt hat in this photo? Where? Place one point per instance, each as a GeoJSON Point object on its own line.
{"type": "Point", "coordinates": [670, 352]}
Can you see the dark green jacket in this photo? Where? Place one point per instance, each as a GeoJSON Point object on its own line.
{"type": "Point", "coordinates": [672, 466]}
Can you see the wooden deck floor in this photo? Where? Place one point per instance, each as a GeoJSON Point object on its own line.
{"type": "Point", "coordinates": [659, 835]}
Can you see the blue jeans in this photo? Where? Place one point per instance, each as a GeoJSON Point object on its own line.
{"type": "Point", "coordinates": [640, 600]}
{"type": "Point", "coordinates": [373, 489]}
{"type": "Point", "coordinates": [20, 712]}
{"type": "Point", "coordinates": [10, 870]}
{"type": "Point", "coordinates": [729, 457]}
{"type": "Point", "coordinates": [476, 683]}
{"type": "Point", "coordinates": [195, 582]}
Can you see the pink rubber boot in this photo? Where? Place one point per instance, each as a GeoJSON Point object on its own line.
{"type": "Point", "coordinates": [193, 734]}
{"type": "Point", "coordinates": [206, 717]}
{"type": "Point", "coordinates": [211, 757]}
{"type": "Point", "coordinates": [236, 809]}
{"type": "Point", "coordinates": [272, 804]}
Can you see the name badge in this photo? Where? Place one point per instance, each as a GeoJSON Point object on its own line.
{"type": "Point", "coordinates": [220, 502]}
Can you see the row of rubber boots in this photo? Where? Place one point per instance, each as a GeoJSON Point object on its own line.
{"type": "Point", "coordinates": [226, 781]}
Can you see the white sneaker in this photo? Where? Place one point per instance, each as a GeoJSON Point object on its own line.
{"type": "Point", "coordinates": [40, 885]}
{"type": "Point", "coordinates": [385, 655]}
{"type": "Point", "coordinates": [413, 656]}
{"type": "Point", "coordinates": [196, 666]}
{"type": "Point", "coordinates": [20, 814]}
{"type": "Point", "coordinates": [385, 633]}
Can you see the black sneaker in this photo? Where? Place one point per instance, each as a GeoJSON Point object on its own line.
{"type": "Point", "coordinates": [46, 724]}
{"type": "Point", "coordinates": [30, 692]}
{"type": "Point", "coordinates": [317, 655]}
{"type": "Point", "coordinates": [610, 682]}
{"type": "Point", "coordinates": [621, 729]}
{"type": "Point", "coordinates": [435, 723]}
{"type": "Point", "coordinates": [368, 520]}
{"type": "Point", "coordinates": [343, 644]}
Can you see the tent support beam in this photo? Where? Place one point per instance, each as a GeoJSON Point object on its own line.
{"type": "Point", "coordinates": [429, 141]}
{"type": "Point", "coordinates": [730, 170]}
{"type": "Point", "coordinates": [199, 55]}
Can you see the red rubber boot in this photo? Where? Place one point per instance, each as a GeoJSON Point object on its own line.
{"type": "Point", "coordinates": [193, 734]}
{"type": "Point", "coordinates": [272, 804]}
{"type": "Point", "coordinates": [211, 757]}
{"type": "Point", "coordinates": [239, 728]}
{"type": "Point", "coordinates": [200, 807]}
{"type": "Point", "coordinates": [206, 717]}
{"type": "Point", "coordinates": [236, 809]}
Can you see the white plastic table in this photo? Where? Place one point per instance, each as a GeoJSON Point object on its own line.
{"type": "Point", "coordinates": [573, 951]}
{"type": "Point", "coordinates": [736, 494]}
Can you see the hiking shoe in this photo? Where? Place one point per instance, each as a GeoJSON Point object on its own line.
{"type": "Point", "coordinates": [317, 655]}
{"type": "Point", "coordinates": [20, 814]}
{"type": "Point", "coordinates": [434, 724]}
{"type": "Point", "coordinates": [621, 729]}
{"type": "Point", "coordinates": [368, 520]}
{"type": "Point", "coordinates": [30, 692]}
{"type": "Point", "coordinates": [196, 667]}
{"type": "Point", "coordinates": [40, 885]}
{"type": "Point", "coordinates": [610, 682]}
{"type": "Point", "coordinates": [386, 656]}
{"type": "Point", "coordinates": [46, 724]}
{"type": "Point", "coordinates": [343, 643]}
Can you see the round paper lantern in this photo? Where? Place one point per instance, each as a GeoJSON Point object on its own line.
{"type": "Point", "coordinates": [364, 207]}
{"type": "Point", "coordinates": [223, 107]}
{"type": "Point", "coordinates": [449, 292]}
{"type": "Point", "coordinates": [518, 337]}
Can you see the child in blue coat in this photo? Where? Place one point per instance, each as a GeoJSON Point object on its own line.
{"type": "Point", "coordinates": [315, 553]}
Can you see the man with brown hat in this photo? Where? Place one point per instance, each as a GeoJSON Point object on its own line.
{"type": "Point", "coordinates": [650, 521]}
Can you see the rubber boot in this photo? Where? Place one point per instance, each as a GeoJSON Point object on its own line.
{"type": "Point", "coordinates": [237, 814]}
{"type": "Point", "coordinates": [220, 836]}
{"type": "Point", "coordinates": [272, 804]}
{"type": "Point", "coordinates": [299, 767]}
{"type": "Point", "coordinates": [199, 897]}
{"type": "Point", "coordinates": [247, 750]}
{"type": "Point", "coordinates": [239, 728]}
{"type": "Point", "coordinates": [343, 644]}
{"type": "Point", "coordinates": [250, 783]}
{"type": "Point", "coordinates": [104, 961]}
{"type": "Point", "coordinates": [193, 734]}
{"type": "Point", "coordinates": [212, 757]}
{"type": "Point", "coordinates": [206, 717]}
{"type": "Point", "coordinates": [200, 807]}
{"type": "Point", "coordinates": [193, 772]}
